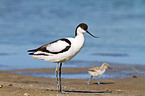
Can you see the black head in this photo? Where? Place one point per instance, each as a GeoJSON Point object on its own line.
{"type": "Point", "coordinates": [85, 28]}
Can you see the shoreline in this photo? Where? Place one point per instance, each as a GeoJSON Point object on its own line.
{"type": "Point", "coordinates": [19, 85]}
{"type": "Point", "coordinates": [119, 70]}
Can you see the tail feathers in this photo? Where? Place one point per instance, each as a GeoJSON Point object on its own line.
{"type": "Point", "coordinates": [31, 53]}
{"type": "Point", "coordinates": [33, 50]}
{"type": "Point", "coordinates": [42, 54]}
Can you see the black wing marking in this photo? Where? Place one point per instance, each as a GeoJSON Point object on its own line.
{"type": "Point", "coordinates": [44, 48]}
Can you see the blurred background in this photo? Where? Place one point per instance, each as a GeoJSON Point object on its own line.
{"type": "Point", "coordinates": [28, 24]}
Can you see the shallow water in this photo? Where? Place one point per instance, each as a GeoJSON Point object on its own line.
{"type": "Point", "coordinates": [121, 74]}
{"type": "Point", "coordinates": [119, 24]}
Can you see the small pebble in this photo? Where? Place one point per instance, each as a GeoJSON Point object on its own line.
{"type": "Point", "coordinates": [134, 76]}
{"type": "Point", "coordinates": [1, 86]}
{"type": "Point", "coordinates": [10, 85]}
{"type": "Point", "coordinates": [109, 91]}
{"type": "Point", "coordinates": [27, 94]}
{"type": "Point", "coordinates": [120, 90]}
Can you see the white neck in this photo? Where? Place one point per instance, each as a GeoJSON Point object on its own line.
{"type": "Point", "coordinates": [79, 41]}
{"type": "Point", "coordinates": [79, 30]}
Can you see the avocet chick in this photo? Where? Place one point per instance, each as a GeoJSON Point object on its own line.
{"type": "Point", "coordinates": [97, 71]}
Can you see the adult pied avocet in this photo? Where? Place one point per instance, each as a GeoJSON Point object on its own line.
{"type": "Point", "coordinates": [62, 50]}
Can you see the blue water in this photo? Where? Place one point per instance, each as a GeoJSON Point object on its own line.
{"type": "Point", "coordinates": [80, 75]}
{"type": "Point", "coordinates": [27, 24]}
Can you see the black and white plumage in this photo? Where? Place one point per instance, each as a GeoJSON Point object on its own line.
{"type": "Point", "coordinates": [56, 47]}
{"type": "Point", "coordinates": [61, 50]}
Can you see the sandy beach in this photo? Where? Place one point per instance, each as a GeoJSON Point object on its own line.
{"type": "Point", "coordinates": [19, 85]}
{"type": "Point", "coordinates": [29, 24]}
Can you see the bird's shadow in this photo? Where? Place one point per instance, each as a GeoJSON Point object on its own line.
{"type": "Point", "coordinates": [85, 91]}
{"type": "Point", "coordinates": [102, 83]}
{"type": "Point", "coordinates": [88, 91]}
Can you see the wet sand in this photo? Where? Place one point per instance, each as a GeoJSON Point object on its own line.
{"type": "Point", "coordinates": [18, 85]}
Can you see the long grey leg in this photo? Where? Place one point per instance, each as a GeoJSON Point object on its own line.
{"type": "Point", "coordinates": [60, 90]}
{"type": "Point", "coordinates": [90, 79]}
{"type": "Point", "coordinates": [56, 73]}
{"type": "Point", "coordinates": [98, 81]}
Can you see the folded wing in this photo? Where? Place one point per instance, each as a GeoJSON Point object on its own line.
{"type": "Point", "coordinates": [56, 47]}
